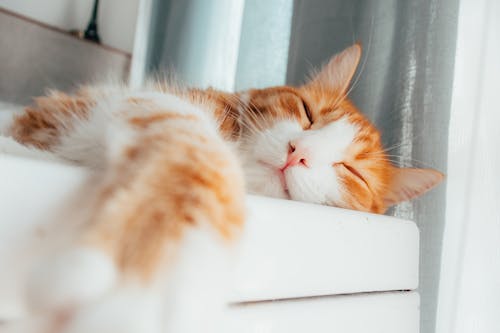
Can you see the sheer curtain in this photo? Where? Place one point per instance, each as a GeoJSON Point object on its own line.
{"type": "Point", "coordinates": [469, 290]}
{"type": "Point", "coordinates": [404, 83]}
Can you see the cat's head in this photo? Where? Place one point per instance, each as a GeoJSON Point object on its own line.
{"type": "Point", "coordinates": [310, 143]}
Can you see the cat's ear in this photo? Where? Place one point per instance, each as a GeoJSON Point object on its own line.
{"type": "Point", "coordinates": [408, 183]}
{"type": "Point", "coordinates": [338, 73]}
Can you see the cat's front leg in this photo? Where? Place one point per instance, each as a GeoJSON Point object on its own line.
{"type": "Point", "coordinates": [71, 127]}
{"type": "Point", "coordinates": [155, 252]}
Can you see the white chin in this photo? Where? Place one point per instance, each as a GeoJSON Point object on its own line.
{"type": "Point", "coordinates": [268, 191]}
{"type": "Point", "coordinates": [268, 185]}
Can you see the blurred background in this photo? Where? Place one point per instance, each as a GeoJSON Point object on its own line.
{"type": "Point", "coordinates": [428, 79]}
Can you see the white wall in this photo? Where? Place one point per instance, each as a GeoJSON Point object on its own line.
{"type": "Point", "coordinates": [116, 21]}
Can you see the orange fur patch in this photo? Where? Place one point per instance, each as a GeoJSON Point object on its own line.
{"type": "Point", "coordinates": [166, 183]}
{"type": "Point", "coordinates": [223, 106]}
{"type": "Point", "coordinates": [273, 104]}
{"type": "Point", "coordinates": [145, 121]}
{"type": "Point", "coordinates": [42, 125]}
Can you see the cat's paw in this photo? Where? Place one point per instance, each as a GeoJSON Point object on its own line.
{"type": "Point", "coordinates": [125, 310]}
{"type": "Point", "coordinates": [80, 291]}
{"type": "Point", "coordinates": [70, 279]}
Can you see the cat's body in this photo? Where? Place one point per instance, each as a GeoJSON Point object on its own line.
{"type": "Point", "coordinates": [175, 161]}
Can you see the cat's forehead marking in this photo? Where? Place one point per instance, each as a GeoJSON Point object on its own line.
{"type": "Point", "coordinates": [276, 104]}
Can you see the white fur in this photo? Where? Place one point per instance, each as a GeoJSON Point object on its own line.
{"type": "Point", "coordinates": [131, 309]}
{"type": "Point", "coordinates": [70, 279]}
{"type": "Point", "coordinates": [199, 282]}
{"type": "Point", "coordinates": [263, 154]}
{"type": "Point", "coordinates": [266, 152]}
{"type": "Point", "coordinates": [188, 294]}
{"type": "Point", "coordinates": [86, 142]}
{"type": "Point", "coordinates": [100, 138]}
{"type": "Point", "coordinates": [9, 145]}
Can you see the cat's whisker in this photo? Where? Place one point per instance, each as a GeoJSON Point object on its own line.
{"type": "Point", "coordinates": [390, 148]}
{"type": "Point", "coordinates": [399, 160]}
{"type": "Point", "coordinates": [251, 111]}
{"type": "Point", "coordinates": [225, 115]}
{"type": "Point", "coordinates": [252, 127]}
{"type": "Point", "coordinates": [258, 118]}
{"type": "Point", "coordinates": [249, 126]}
{"type": "Point", "coordinates": [416, 161]}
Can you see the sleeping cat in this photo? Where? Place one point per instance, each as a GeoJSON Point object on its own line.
{"type": "Point", "coordinates": [173, 166]}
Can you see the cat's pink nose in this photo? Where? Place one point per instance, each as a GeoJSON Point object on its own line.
{"type": "Point", "coordinates": [296, 156]}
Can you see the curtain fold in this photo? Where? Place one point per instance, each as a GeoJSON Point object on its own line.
{"type": "Point", "coordinates": [196, 40]}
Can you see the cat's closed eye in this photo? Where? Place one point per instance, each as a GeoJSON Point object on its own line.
{"type": "Point", "coordinates": [353, 171]}
{"type": "Point", "coordinates": [307, 111]}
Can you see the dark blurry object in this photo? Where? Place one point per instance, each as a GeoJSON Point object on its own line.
{"type": "Point", "coordinates": [91, 32]}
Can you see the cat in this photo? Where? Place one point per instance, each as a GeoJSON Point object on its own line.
{"type": "Point", "coordinates": [174, 161]}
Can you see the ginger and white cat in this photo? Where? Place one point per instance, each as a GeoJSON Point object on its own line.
{"type": "Point", "coordinates": [173, 166]}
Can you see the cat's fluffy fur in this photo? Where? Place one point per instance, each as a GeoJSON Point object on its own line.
{"type": "Point", "coordinates": [174, 161]}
